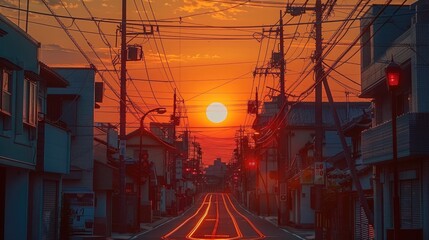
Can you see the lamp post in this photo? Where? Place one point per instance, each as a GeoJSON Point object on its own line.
{"type": "Point", "coordinates": [158, 111]}
{"type": "Point", "coordinates": [393, 75]}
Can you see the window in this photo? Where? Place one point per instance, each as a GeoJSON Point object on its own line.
{"type": "Point", "coordinates": [366, 49]}
{"type": "Point", "coordinates": [29, 114]}
{"type": "Point", "coordinates": [6, 90]}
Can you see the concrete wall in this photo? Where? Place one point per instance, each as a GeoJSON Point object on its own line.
{"type": "Point", "coordinates": [16, 204]}
{"type": "Point", "coordinates": [79, 115]}
{"type": "Point", "coordinates": [307, 213]}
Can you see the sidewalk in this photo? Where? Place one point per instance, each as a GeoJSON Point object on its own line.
{"type": "Point", "coordinates": [143, 228]}
{"type": "Point", "coordinates": [301, 233]}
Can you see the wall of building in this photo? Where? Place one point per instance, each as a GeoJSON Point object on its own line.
{"type": "Point", "coordinates": [307, 213]}
{"type": "Point", "coordinates": [80, 118]}
{"type": "Point", "coordinates": [16, 204]}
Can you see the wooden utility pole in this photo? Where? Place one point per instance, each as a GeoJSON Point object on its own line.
{"type": "Point", "coordinates": [318, 120]}
{"type": "Point", "coordinates": [173, 117]}
{"type": "Point", "coordinates": [281, 137]}
{"type": "Point", "coordinates": [122, 118]}
{"type": "Point", "coordinates": [282, 63]}
{"type": "Point", "coordinates": [277, 67]}
{"type": "Point", "coordinates": [319, 132]}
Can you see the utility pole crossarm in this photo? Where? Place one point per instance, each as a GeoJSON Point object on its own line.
{"type": "Point", "coordinates": [152, 29]}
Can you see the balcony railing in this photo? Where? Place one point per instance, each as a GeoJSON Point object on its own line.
{"type": "Point", "coordinates": [53, 148]}
{"type": "Point", "coordinates": [413, 139]}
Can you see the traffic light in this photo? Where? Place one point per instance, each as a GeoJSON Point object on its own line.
{"type": "Point", "coordinates": [251, 164]}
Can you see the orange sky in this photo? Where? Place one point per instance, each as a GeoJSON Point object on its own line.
{"type": "Point", "coordinates": [205, 64]}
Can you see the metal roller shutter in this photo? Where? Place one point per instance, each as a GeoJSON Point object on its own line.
{"type": "Point", "coordinates": [50, 210]}
{"type": "Point", "coordinates": [363, 230]}
{"type": "Point", "coordinates": [410, 204]}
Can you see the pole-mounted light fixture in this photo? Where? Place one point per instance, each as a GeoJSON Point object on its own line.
{"type": "Point", "coordinates": [393, 80]}
{"type": "Point", "coordinates": [143, 159]}
{"type": "Point", "coordinates": [393, 75]}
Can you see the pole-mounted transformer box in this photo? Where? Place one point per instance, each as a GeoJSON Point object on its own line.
{"type": "Point", "coordinates": [134, 53]}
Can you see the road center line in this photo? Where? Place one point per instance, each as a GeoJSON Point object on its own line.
{"type": "Point", "coordinates": [187, 220]}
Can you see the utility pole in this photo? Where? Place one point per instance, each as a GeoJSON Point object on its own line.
{"type": "Point", "coordinates": [278, 63]}
{"type": "Point", "coordinates": [318, 120]}
{"type": "Point", "coordinates": [282, 63]}
{"type": "Point", "coordinates": [318, 144]}
{"type": "Point", "coordinates": [319, 131]}
{"type": "Point", "coordinates": [173, 117]}
{"type": "Point", "coordinates": [122, 118]}
{"type": "Point", "coordinates": [243, 167]}
{"type": "Point", "coordinates": [281, 142]}
{"type": "Point", "coordinates": [257, 103]}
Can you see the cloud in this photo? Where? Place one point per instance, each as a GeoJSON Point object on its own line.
{"type": "Point", "coordinates": [59, 4]}
{"type": "Point", "coordinates": [217, 10]}
{"type": "Point", "coordinates": [57, 47]}
{"type": "Point", "coordinates": [9, 3]}
{"type": "Point", "coordinates": [55, 54]}
{"type": "Point", "coordinates": [155, 58]}
{"type": "Point", "coordinates": [106, 3]}
{"type": "Point", "coordinates": [201, 56]}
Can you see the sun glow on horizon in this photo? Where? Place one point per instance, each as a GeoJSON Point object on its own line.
{"type": "Point", "coordinates": [216, 112]}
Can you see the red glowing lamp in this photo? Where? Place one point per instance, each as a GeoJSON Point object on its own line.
{"type": "Point", "coordinates": [393, 75]}
{"type": "Point", "coordinates": [251, 163]}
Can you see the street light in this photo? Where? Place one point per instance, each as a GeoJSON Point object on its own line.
{"type": "Point", "coordinates": [158, 111]}
{"type": "Point", "coordinates": [393, 77]}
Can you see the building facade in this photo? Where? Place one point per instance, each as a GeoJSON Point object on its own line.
{"type": "Point", "coordinates": [403, 38]}
{"type": "Point", "coordinates": [74, 107]}
{"type": "Point", "coordinates": [154, 189]}
{"type": "Point", "coordinates": [34, 148]}
{"type": "Point", "coordinates": [302, 175]}
{"type": "Point", "coordinates": [106, 176]}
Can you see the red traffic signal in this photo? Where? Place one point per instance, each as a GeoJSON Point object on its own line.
{"type": "Point", "coordinates": [393, 75]}
{"type": "Point", "coordinates": [251, 164]}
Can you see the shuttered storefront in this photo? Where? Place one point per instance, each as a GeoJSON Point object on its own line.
{"type": "Point", "coordinates": [363, 230]}
{"type": "Point", "coordinates": [50, 210]}
{"type": "Point", "coordinates": [410, 204]}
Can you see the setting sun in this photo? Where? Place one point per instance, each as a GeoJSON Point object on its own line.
{"type": "Point", "coordinates": [216, 112]}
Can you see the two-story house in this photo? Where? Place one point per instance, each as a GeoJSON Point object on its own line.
{"type": "Point", "coordinates": [34, 150]}
{"type": "Point", "coordinates": [400, 33]}
{"type": "Point", "coordinates": [301, 171]}
{"type": "Point", "coordinates": [74, 107]}
{"type": "Point", "coordinates": [296, 188]}
{"type": "Point", "coordinates": [148, 175]}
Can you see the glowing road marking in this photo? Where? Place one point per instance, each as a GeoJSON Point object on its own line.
{"type": "Point", "coordinates": [187, 220]}
{"type": "Point", "coordinates": [219, 237]}
{"type": "Point", "coordinates": [189, 236]}
{"type": "Point", "coordinates": [217, 216]}
{"type": "Point", "coordinates": [261, 235]}
{"type": "Point", "coordinates": [204, 218]}
{"type": "Point", "coordinates": [237, 228]}
{"type": "Point", "coordinates": [216, 236]}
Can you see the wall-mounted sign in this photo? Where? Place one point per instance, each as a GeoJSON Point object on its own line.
{"type": "Point", "coordinates": [319, 173]}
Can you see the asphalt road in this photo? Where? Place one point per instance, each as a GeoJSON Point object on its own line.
{"type": "Point", "coordinates": [217, 216]}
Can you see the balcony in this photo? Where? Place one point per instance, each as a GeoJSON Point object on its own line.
{"type": "Point", "coordinates": [413, 139]}
{"type": "Point", "coordinates": [53, 148]}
